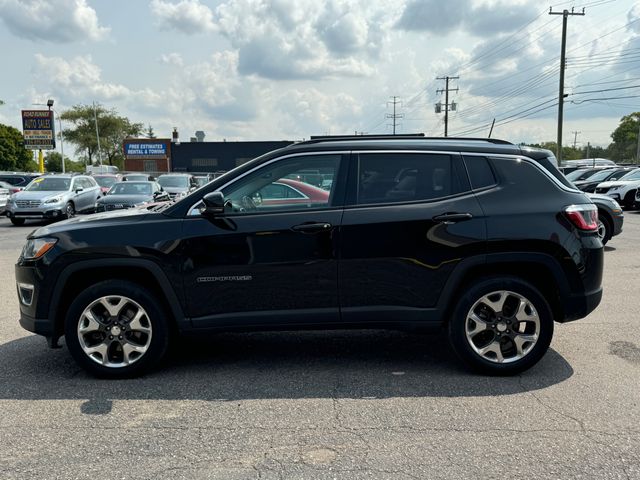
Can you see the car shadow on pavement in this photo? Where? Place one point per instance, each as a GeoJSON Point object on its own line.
{"type": "Point", "coordinates": [273, 365]}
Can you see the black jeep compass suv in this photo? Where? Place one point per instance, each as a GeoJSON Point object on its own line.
{"type": "Point", "coordinates": [478, 236]}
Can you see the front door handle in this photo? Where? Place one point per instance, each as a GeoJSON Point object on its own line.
{"type": "Point", "coordinates": [312, 227]}
{"type": "Point", "coordinates": [452, 217]}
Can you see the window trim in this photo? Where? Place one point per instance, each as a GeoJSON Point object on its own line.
{"type": "Point", "coordinates": [193, 211]}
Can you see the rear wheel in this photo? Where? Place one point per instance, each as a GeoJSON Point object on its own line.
{"type": "Point", "coordinates": [501, 326]}
{"type": "Point", "coordinates": [630, 200]}
{"type": "Point", "coordinates": [115, 329]}
{"type": "Point", "coordinates": [17, 221]}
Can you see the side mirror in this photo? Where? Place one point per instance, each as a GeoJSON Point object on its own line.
{"type": "Point", "coordinates": [213, 204]}
{"type": "Point", "coordinates": [79, 189]}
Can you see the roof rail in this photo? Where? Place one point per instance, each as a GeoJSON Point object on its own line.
{"type": "Point", "coordinates": [407, 136]}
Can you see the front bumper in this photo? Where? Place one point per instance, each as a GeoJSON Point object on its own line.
{"type": "Point", "coordinates": [55, 211]}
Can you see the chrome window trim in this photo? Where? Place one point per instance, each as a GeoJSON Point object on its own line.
{"type": "Point", "coordinates": [303, 196]}
{"type": "Point", "coordinates": [193, 210]}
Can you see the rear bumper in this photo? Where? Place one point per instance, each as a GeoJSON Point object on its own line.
{"type": "Point", "coordinates": [579, 306]}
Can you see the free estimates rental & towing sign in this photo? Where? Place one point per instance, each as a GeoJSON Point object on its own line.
{"type": "Point", "coordinates": [38, 129]}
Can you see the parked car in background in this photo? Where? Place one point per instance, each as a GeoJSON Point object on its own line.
{"type": "Point", "coordinates": [622, 190]}
{"type": "Point", "coordinates": [590, 183]}
{"type": "Point", "coordinates": [415, 234]}
{"type": "Point", "coordinates": [12, 188]}
{"type": "Point", "coordinates": [178, 184]}
{"type": "Point", "coordinates": [106, 181]}
{"type": "Point", "coordinates": [610, 216]}
{"type": "Point", "coordinates": [53, 197]}
{"type": "Point", "coordinates": [583, 173]}
{"type": "Point", "coordinates": [571, 165]}
{"type": "Point", "coordinates": [138, 177]}
{"type": "Point", "coordinates": [4, 197]}
{"type": "Point", "coordinates": [18, 180]}
{"type": "Point", "coordinates": [202, 180]}
{"type": "Point", "coordinates": [289, 192]}
{"type": "Point", "coordinates": [131, 194]}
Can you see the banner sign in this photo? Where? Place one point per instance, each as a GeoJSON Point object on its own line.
{"type": "Point", "coordinates": [38, 129]}
{"type": "Point", "coordinates": [145, 149]}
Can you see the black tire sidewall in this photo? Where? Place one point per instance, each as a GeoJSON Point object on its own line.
{"type": "Point", "coordinates": [456, 327]}
{"type": "Point", "coordinates": [608, 227]}
{"type": "Point", "coordinates": [158, 320]}
{"type": "Point", "coordinates": [17, 221]}
{"type": "Point", "coordinates": [66, 210]}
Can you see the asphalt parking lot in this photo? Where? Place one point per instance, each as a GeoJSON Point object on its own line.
{"type": "Point", "coordinates": [346, 405]}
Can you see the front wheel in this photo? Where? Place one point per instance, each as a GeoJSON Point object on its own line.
{"type": "Point", "coordinates": [605, 229]}
{"type": "Point", "coordinates": [17, 221]}
{"type": "Point", "coordinates": [501, 326]}
{"type": "Point", "coordinates": [115, 329]}
{"type": "Point", "coordinates": [69, 210]}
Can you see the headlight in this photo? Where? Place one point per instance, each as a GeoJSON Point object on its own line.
{"type": "Point", "coordinates": [54, 200]}
{"type": "Point", "coordinates": [37, 247]}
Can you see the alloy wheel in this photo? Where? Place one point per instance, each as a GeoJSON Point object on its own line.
{"type": "Point", "coordinates": [502, 327]}
{"type": "Point", "coordinates": [602, 231]}
{"type": "Point", "coordinates": [114, 331]}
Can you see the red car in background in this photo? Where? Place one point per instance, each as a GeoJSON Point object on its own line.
{"type": "Point", "coordinates": [106, 181]}
{"type": "Point", "coordinates": [286, 192]}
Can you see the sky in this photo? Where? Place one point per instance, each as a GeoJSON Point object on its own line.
{"type": "Point", "coordinates": [289, 69]}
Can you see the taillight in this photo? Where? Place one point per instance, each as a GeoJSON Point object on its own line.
{"type": "Point", "coordinates": [583, 217]}
{"type": "Point", "coordinates": [14, 190]}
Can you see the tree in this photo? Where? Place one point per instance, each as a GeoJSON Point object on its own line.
{"type": "Point", "coordinates": [625, 138]}
{"type": "Point", "coordinates": [53, 163]}
{"type": "Point", "coordinates": [149, 132]}
{"type": "Point", "coordinates": [568, 153]}
{"type": "Point", "coordinates": [113, 129]}
{"type": "Point", "coordinates": [13, 155]}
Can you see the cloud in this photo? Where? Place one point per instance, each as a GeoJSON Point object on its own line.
{"type": "Point", "coordinates": [443, 17]}
{"type": "Point", "coordinates": [186, 16]}
{"type": "Point", "coordinates": [303, 39]}
{"type": "Point", "coordinates": [78, 77]}
{"type": "Point", "coordinates": [173, 59]}
{"type": "Point", "coordinates": [62, 21]}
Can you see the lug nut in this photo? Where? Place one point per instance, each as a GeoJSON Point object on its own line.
{"type": "Point", "coordinates": [120, 337]}
{"type": "Point", "coordinates": [110, 337]}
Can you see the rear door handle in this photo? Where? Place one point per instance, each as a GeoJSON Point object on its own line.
{"type": "Point", "coordinates": [312, 227]}
{"type": "Point", "coordinates": [452, 217]}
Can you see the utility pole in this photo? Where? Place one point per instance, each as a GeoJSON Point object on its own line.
{"type": "Point", "coordinates": [638, 146]}
{"type": "Point", "coordinates": [575, 138]}
{"type": "Point", "coordinates": [565, 14]}
{"type": "Point", "coordinates": [447, 106]}
{"type": "Point", "coordinates": [393, 115]}
{"type": "Point", "coordinates": [95, 117]}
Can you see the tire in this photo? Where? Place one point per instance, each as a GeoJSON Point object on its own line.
{"type": "Point", "coordinates": [17, 221]}
{"type": "Point", "coordinates": [500, 331]}
{"type": "Point", "coordinates": [605, 228]}
{"type": "Point", "coordinates": [125, 341]}
{"type": "Point", "coordinates": [629, 201]}
{"type": "Point", "coordinates": [69, 210]}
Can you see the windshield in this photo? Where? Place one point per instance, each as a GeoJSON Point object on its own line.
{"type": "Point", "coordinates": [169, 181]}
{"type": "Point", "coordinates": [137, 178]}
{"type": "Point", "coordinates": [106, 181]}
{"type": "Point", "coordinates": [635, 175]}
{"type": "Point", "coordinates": [131, 188]}
{"type": "Point", "coordinates": [601, 175]}
{"type": "Point", "coordinates": [49, 184]}
{"type": "Point", "coordinates": [577, 174]}
{"type": "Point", "coordinates": [201, 181]}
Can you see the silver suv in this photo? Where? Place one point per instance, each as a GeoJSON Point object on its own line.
{"type": "Point", "coordinates": [53, 197]}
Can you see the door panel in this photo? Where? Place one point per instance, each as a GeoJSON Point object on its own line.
{"type": "Point", "coordinates": [395, 258]}
{"type": "Point", "coordinates": [257, 263]}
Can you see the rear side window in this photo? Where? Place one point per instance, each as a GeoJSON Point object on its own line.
{"type": "Point", "coordinates": [480, 172]}
{"type": "Point", "coordinates": [406, 177]}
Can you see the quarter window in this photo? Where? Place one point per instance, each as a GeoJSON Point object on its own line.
{"type": "Point", "coordinates": [406, 177]}
{"type": "Point", "coordinates": [480, 172]}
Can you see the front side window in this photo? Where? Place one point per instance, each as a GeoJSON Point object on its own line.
{"type": "Point", "coordinates": [285, 185]}
{"type": "Point", "coordinates": [406, 177]}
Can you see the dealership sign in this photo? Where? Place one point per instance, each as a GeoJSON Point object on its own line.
{"type": "Point", "coordinates": [139, 149]}
{"type": "Point", "coordinates": [38, 129]}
